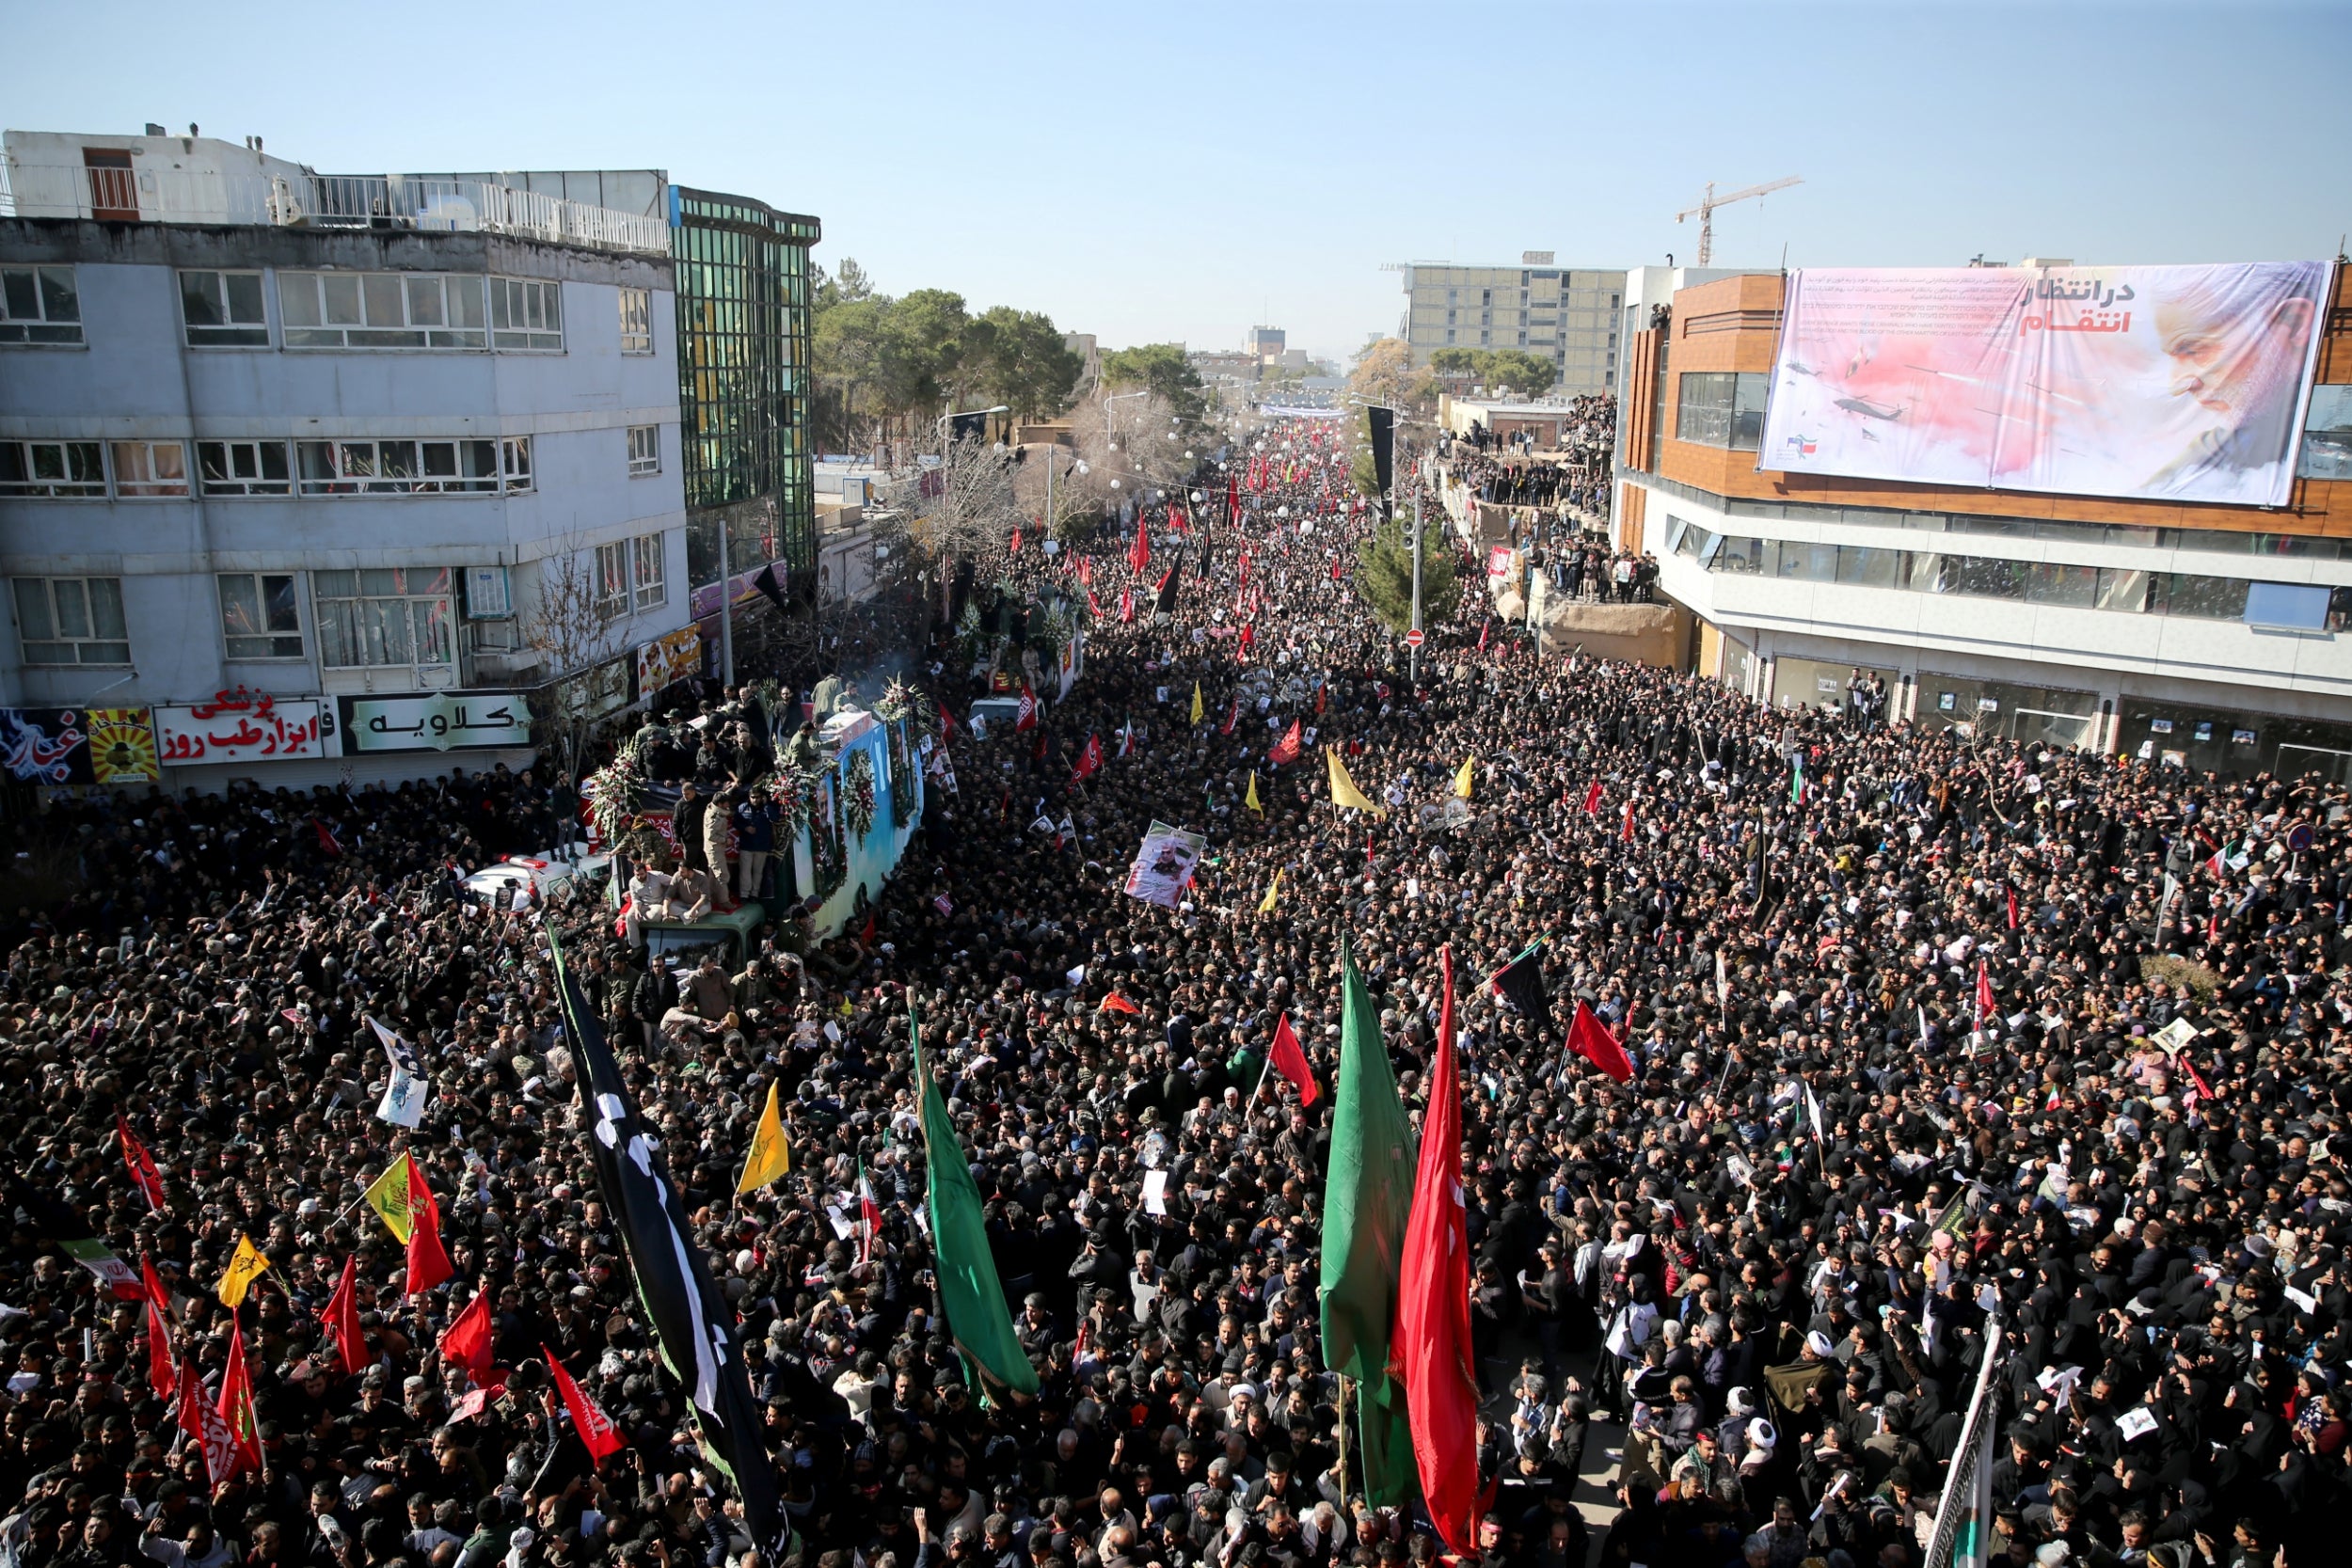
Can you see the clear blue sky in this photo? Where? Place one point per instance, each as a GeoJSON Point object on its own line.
{"type": "Point", "coordinates": [1180, 172]}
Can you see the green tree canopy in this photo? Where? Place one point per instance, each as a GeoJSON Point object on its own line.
{"type": "Point", "coordinates": [1529, 374]}
{"type": "Point", "coordinates": [1384, 575]}
{"type": "Point", "coordinates": [1020, 360]}
{"type": "Point", "coordinates": [1161, 368]}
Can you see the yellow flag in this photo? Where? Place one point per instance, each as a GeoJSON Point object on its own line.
{"type": "Point", "coordinates": [770, 1156]}
{"type": "Point", "coordinates": [246, 1266]}
{"type": "Point", "coordinates": [1462, 778]}
{"type": "Point", "coordinates": [388, 1195]}
{"type": "Point", "coordinates": [1266, 905]}
{"type": "Point", "coordinates": [1252, 801]}
{"type": "Point", "coordinates": [1198, 707]}
{"type": "Point", "coordinates": [1344, 790]}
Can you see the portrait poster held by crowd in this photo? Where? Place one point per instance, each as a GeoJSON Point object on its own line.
{"type": "Point", "coordinates": [1555, 1041]}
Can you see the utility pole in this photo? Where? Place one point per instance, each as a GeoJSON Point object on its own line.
{"type": "Point", "coordinates": [1412, 644]}
{"type": "Point", "coordinates": [727, 612]}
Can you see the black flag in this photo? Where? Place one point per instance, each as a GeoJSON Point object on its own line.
{"type": "Point", "coordinates": [767, 585]}
{"type": "Point", "coordinates": [1520, 983]}
{"type": "Point", "coordinates": [693, 1327]}
{"type": "Point", "coordinates": [1381, 425]}
{"type": "Point", "coordinates": [1164, 604]}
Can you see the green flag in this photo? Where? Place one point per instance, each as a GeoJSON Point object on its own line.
{"type": "Point", "coordinates": [968, 1286]}
{"type": "Point", "coordinates": [1367, 1195]}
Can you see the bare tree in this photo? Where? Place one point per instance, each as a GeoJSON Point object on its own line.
{"type": "Point", "coordinates": [575, 625]}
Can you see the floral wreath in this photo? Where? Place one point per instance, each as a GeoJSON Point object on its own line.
{"type": "Point", "coordinates": [859, 805]}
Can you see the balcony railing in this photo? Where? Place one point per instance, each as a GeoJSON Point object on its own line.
{"type": "Point", "coordinates": [321, 202]}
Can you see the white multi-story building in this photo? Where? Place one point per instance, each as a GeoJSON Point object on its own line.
{"type": "Point", "coordinates": [392, 454]}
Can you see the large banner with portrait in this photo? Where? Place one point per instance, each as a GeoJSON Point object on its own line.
{"type": "Point", "coordinates": [2150, 382]}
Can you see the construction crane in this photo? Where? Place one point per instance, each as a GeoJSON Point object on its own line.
{"type": "Point", "coordinates": [1705, 211]}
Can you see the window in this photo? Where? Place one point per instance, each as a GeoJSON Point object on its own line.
{"type": "Point", "coordinates": [644, 449]}
{"type": "Point", "coordinates": [613, 581]}
{"type": "Point", "coordinates": [223, 309]}
{"type": "Point", "coordinates": [1718, 408]}
{"type": "Point", "coordinates": [515, 453]}
{"type": "Point", "coordinates": [72, 621]}
{"type": "Point", "coordinates": [150, 468]}
{"type": "Point", "coordinates": [383, 615]}
{"type": "Point", "coordinates": [652, 587]}
{"type": "Point", "coordinates": [2049, 583]}
{"type": "Point", "coordinates": [1802, 563]}
{"type": "Point", "coordinates": [526, 314]}
{"type": "Point", "coordinates": [39, 305]}
{"type": "Point", "coordinates": [2122, 588]}
{"type": "Point", "coordinates": [631, 572]}
{"type": "Point", "coordinates": [242, 467]}
{"type": "Point", "coordinates": [406, 467]}
{"type": "Point", "coordinates": [51, 468]}
{"type": "Point", "coordinates": [2327, 434]}
{"type": "Point", "coordinates": [380, 309]}
{"type": "Point", "coordinates": [258, 615]}
{"type": "Point", "coordinates": [2287, 604]}
{"type": "Point", "coordinates": [2188, 594]}
{"type": "Point", "coordinates": [636, 321]}
{"type": "Point", "coordinates": [1869, 566]}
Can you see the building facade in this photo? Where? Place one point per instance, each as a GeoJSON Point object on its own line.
{"type": "Point", "coordinates": [1570, 315]}
{"type": "Point", "coordinates": [2206, 636]}
{"type": "Point", "coordinates": [744, 364]}
{"type": "Point", "coordinates": [379, 457]}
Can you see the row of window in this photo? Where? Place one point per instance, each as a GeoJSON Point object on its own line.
{"type": "Point", "coordinates": [2306, 606]}
{"type": "Point", "coordinates": [332, 310]}
{"type": "Point", "coordinates": [2223, 541]}
{"type": "Point", "coordinates": [387, 467]}
{"type": "Point", "coordinates": [1719, 408]}
{"type": "Point", "coordinates": [370, 617]}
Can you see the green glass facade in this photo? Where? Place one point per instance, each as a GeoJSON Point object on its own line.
{"type": "Point", "coordinates": [743, 359]}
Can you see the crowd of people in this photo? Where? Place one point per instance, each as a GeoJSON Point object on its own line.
{"type": "Point", "coordinates": [1938, 1042]}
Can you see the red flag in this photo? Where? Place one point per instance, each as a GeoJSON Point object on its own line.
{"type": "Point", "coordinates": [162, 1373]}
{"type": "Point", "coordinates": [1323, 699]}
{"type": "Point", "coordinates": [1038, 752]}
{"type": "Point", "coordinates": [205, 1426]}
{"type": "Point", "coordinates": [235, 1410]}
{"type": "Point", "coordinates": [1094, 606]}
{"type": "Point", "coordinates": [1590, 1038]}
{"type": "Point", "coordinates": [2011, 894]}
{"type": "Point", "coordinates": [1115, 1003]}
{"type": "Point", "coordinates": [1232, 499]}
{"type": "Point", "coordinates": [1086, 572]}
{"type": "Point", "coordinates": [327, 844]}
{"type": "Point", "coordinates": [1232, 717]}
{"type": "Point", "coordinates": [1291, 1062]}
{"type": "Point", "coordinates": [1431, 1342]}
{"type": "Point", "coordinates": [1089, 759]}
{"type": "Point", "coordinates": [142, 1163]}
{"type": "Point", "coordinates": [428, 1265]}
{"type": "Point", "coordinates": [1288, 747]}
{"type": "Point", "coordinates": [1126, 604]}
{"type": "Point", "coordinates": [1484, 628]}
{"type": "Point", "coordinates": [1139, 553]}
{"type": "Point", "coordinates": [467, 1341]}
{"type": "Point", "coordinates": [1625, 833]}
{"type": "Point", "coordinates": [1592, 799]}
{"type": "Point", "coordinates": [1249, 637]}
{"type": "Point", "coordinates": [1335, 568]}
{"type": "Point", "coordinates": [597, 1433]}
{"type": "Point", "coordinates": [341, 1318]}
{"type": "Point", "coordinates": [1176, 519]}
{"type": "Point", "coordinates": [1025, 717]}
{"type": "Point", "coordinates": [1985, 1004]}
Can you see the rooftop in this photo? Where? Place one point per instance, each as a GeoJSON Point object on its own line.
{"type": "Point", "coordinates": [198, 179]}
